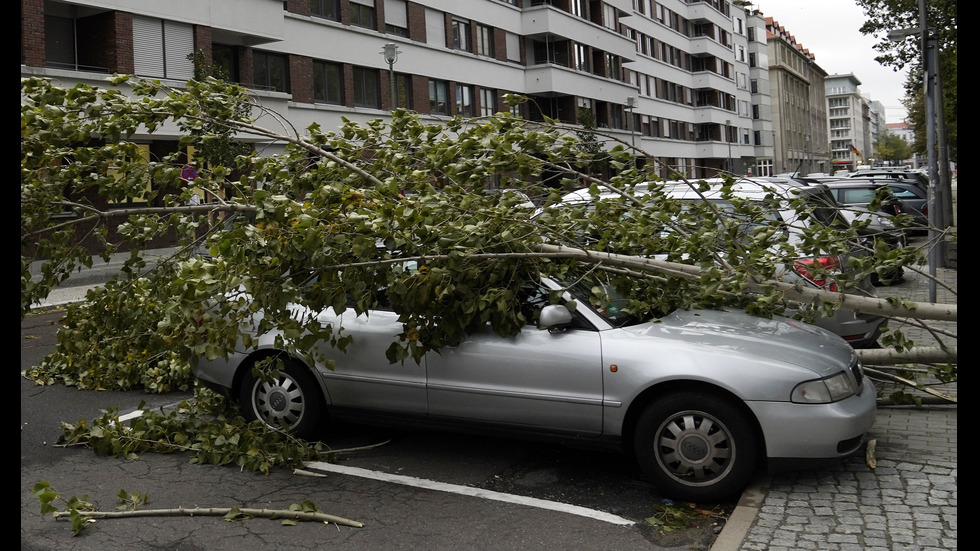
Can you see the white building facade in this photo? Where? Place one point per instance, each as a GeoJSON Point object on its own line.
{"type": "Point", "coordinates": [847, 118]}
{"type": "Point", "coordinates": [685, 81]}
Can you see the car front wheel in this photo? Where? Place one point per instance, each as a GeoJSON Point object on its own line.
{"type": "Point", "coordinates": [696, 446]}
{"type": "Point", "coordinates": [289, 402]}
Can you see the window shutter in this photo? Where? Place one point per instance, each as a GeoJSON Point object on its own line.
{"type": "Point", "coordinates": [513, 47]}
{"type": "Point", "coordinates": [396, 13]}
{"type": "Point", "coordinates": [178, 45]}
{"type": "Point", "coordinates": [148, 47]}
{"type": "Point", "coordinates": [435, 28]}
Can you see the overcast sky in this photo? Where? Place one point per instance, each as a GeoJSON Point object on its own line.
{"type": "Point", "coordinates": [829, 30]}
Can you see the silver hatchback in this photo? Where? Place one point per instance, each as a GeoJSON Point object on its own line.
{"type": "Point", "coordinates": [698, 398]}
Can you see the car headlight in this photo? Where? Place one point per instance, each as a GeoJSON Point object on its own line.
{"type": "Point", "coordinates": [885, 222]}
{"type": "Point", "coordinates": [823, 391]}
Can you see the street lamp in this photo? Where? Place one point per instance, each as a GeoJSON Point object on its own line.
{"type": "Point", "coordinates": [929, 65]}
{"type": "Point", "coordinates": [390, 52]}
{"type": "Point", "coordinates": [728, 123]}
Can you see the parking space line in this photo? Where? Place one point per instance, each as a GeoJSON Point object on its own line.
{"type": "Point", "coordinates": [468, 490]}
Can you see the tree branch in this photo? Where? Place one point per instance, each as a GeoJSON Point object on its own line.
{"type": "Point", "coordinates": [217, 511]}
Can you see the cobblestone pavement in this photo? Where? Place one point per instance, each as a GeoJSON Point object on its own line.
{"type": "Point", "coordinates": [907, 501]}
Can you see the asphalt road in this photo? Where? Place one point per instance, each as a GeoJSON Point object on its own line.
{"type": "Point", "coordinates": [421, 490]}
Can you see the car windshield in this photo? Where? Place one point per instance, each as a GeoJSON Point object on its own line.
{"type": "Point", "coordinates": [605, 301]}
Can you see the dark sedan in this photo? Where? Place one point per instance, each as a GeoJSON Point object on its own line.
{"type": "Point", "coordinates": [903, 197]}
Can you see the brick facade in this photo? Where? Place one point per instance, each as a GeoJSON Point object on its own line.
{"type": "Point", "coordinates": [301, 78]}
{"type": "Point", "coordinates": [202, 42]}
{"type": "Point", "coordinates": [32, 33]}
{"type": "Point", "coordinates": [416, 22]}
{"type": "Point", "coordinates": [299, 7]}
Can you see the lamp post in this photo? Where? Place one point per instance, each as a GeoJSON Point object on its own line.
{"type": "Point", "coordinates": [390, 52]}
{"type": "Point", "coordinates": [928, 46]}
{"type": "Point", "coordinates": [728, 123]}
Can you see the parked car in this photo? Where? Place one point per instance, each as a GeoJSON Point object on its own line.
{"type": "Point", "coordinates": [896, 173]}
{"type": "Point", "coordinates": [908, 197]}
{"type": "Point", "coordinates": [516, 197]}
{"type": "Point", "coordinates": [859, 329]}
{"type": "Point", "coordinates": [699, 398]}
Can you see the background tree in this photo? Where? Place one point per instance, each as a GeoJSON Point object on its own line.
{"type": "Point", "coordinates": [892, 148]}
{"type": "Point", "coordinates": [887, 15]}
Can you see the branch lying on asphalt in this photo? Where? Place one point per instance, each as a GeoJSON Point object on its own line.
{"type": "Point", "coordinates": [230, 513]}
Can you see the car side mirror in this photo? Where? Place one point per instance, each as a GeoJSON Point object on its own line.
{"type": "Point", "coordinates": [554, 316]}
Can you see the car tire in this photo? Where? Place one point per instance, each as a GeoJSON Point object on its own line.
{"type": "Point", "coordinates": [290, 403]}
{"type": "Point", "coordinates": [696, 446]}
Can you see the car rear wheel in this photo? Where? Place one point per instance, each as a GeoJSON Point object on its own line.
{"type": "Point", "coordinates": [289, 402]}
{"type": "Point", "coordinates": [696, 446]}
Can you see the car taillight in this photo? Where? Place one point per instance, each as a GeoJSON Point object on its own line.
{"type": "Point", "coordinates": [830, 264]}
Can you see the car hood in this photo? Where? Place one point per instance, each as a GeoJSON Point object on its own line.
{"type": "Point", "coordinates": [779, 338]}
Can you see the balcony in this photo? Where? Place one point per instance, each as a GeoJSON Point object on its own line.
{"type": "Point", "coordinates": [712, 80]}
{"type": "Point", "coordinates": [558, 80]}
{"type": "Point", "coordinates": [543, 21]}
{"type": "Point", "coordinates": [704, 45]}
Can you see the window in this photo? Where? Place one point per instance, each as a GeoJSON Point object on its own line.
{"type": "Point", "coordinates": [328, 82]}
{"type": "Point", "coordinates": [362, 13]}
{"type": "Point", "coordinates": [226, 57]}
{"type": "Point", "coordinates": [327, 9]}
{"type": "Point", "coordinates": [438, 97]}
{"type": "Point", "coordinates": [366, 91]}
{"type": "Point", "coordinates": [59, 39]}
{"type": "Point", "coordinates": [396, 17]}
{"type": "Point", "coordinates": [580, 52]}
{"type": "Point", "coordinates": [144, 156]}
{"type": "Point", "coordinates": [160, 48]}
{"type": "Point", "coordinates": [609, 19]}
{"type": "Point", "coordinates": [488, 102]}
{"type": "Point", "coordinates": [484, 40]}
{"type": "Point", "coordinates": [461, 35]}
{"type": "Point", "coordinates": [271, 71]}
{"type": "Point", "coordinates": [556, 52]}
{"type": "Point", "coordinates": [403, 91]}
{"type": "Point", "coordinates": [464, 100]}
{"type": "Point", "coordinates": [612, 66]}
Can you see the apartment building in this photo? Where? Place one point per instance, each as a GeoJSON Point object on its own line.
{"type": "Point", "coordinates": [799, 107]}
{"type": "Point", "coordinates": [847, 120]}
{"type": "Point", "coordinates": [672, 77]}
{"type": "Point", "coordinates": [763, 136]}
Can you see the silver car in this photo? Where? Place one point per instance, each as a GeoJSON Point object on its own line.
{"type": "Point", "coordinates": [699, 398]}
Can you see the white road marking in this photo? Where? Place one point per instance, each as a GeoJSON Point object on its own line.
{"type": "Point", "coordinates": [132, 415]}
{"type": "Point", "coordinates": [467, 490]}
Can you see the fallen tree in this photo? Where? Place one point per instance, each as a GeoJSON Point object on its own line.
{"type": "Point", "coordinates": [312, 226]}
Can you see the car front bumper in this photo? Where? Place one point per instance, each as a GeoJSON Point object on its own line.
{"type": "Point", "coordinates": [817, 431]}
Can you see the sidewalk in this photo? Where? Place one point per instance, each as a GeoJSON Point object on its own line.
{"type": "Point", "coordinates": [74, 289]}
{"type": "Point", "coordinates": [906, 501]}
